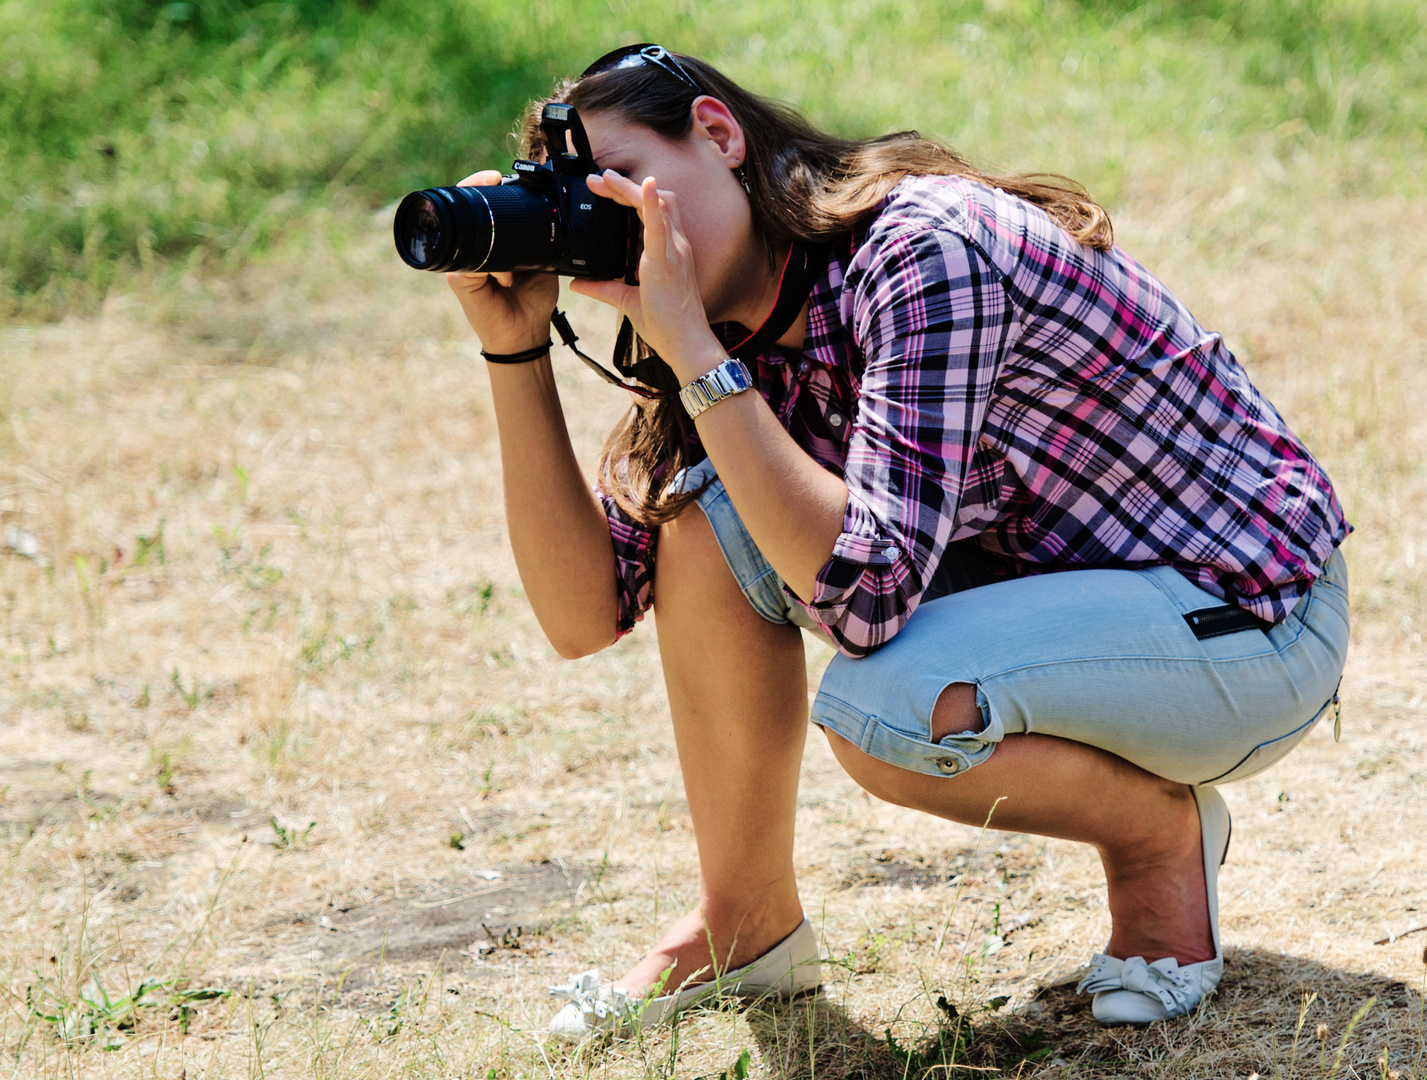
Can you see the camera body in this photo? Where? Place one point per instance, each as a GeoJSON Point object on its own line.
{"type": "Point", "coordinates": [542, 217]}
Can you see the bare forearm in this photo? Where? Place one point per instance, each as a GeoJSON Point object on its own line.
{"type": "Point", "coordinates": [557, 527]}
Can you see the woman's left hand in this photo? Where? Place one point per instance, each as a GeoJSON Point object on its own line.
{"type": "Point", "coordinates": [665, 308]}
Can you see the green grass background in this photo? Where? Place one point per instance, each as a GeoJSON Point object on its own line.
{"type": "Point", "coordinates": [141, 141]}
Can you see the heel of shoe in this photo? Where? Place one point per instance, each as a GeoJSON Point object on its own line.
{"type": "Point", "coordinates": [1216, 829]}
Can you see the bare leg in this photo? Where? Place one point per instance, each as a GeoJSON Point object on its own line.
{"type": "Point", "coordinates": [1146, 828]}
{"type": "Point", "coordinates": [738, 694]}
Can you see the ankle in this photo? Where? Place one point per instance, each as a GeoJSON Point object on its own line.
{"type": "Point", "coordinates": [1158, 892]}
{"type": "Point", "coordinates": [738, 925]}
{"type": "Point", "coordinates": [716, 935]}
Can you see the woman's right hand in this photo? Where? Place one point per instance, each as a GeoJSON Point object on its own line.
{"type": "Point", "coordinates": [509, 312]}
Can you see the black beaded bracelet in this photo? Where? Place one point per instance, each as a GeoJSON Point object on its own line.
{"type": "Point", "coordinates": [518, 357]}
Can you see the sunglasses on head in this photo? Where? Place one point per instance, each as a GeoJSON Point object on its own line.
{"type": "Point", "coordinates": [646, 53]}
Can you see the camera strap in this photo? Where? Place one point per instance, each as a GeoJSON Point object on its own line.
{"type": "Point", "coordinates": [804, 265]}
{"type": "Point", "coordinates": [633, 357]}
{"type": "Point", "coordinates": [568, 339]}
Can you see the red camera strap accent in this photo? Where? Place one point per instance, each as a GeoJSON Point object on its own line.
{"type": "Point", "coordinates": [801, 269]}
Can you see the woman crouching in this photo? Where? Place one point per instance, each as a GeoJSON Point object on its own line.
{"type": "Point", "coordinates": [1075, 566]}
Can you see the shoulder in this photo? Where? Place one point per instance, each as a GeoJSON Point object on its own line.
{"type": "Point", "coordinates": [952, 220]}
{"type": "Point", "coordinates": [929, 232]}
{"type": "Point", "coordinates": [919, 206]}
{"type": "Point", "coordinates": [983, 216]}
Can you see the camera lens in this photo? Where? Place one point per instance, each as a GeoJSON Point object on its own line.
{"type": "Point", "coordinates": [418, 235]}
{"type": "Point", "coordinates": [505, 227]}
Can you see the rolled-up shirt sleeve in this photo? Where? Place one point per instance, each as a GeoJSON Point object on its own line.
{"type": "Point", "coordinates": [933, 321]}
{"type": "Point", "coordinates": [634, 550]}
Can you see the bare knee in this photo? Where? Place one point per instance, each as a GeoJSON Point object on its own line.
{"type": "Point", "coordinates": [689, 540]}
{"type": "Point", "coordinates": [698, 601]}
{"type": "Point", "coordinates": [691, 572]}
{"type": "Point", "coordinates": [886, 782]}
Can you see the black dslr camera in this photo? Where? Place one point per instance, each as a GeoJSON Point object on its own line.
{"type": "Point", "coordinates": [542, 217]}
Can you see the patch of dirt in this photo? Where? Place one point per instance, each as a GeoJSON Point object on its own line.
{"type": "Point", "coordinates": [906, 870]}
{"type": "Point", "coordinates": [42, 796]}
{"type": "Point", "coordinates": [901, 870]}
{"type": "Point", "coordinates": [1052, 1026]}
{"type": "Point", "coordinates": [209, 809]}
{"type": "Point", "coordinates": [522, 902]}
{"type": "Point", "coordinates": [43, 801]}
{"type": "Point", "coordinates": [481, 823]}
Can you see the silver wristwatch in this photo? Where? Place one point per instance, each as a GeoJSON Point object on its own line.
{"type": "Point", "coordinates": [729, 378]}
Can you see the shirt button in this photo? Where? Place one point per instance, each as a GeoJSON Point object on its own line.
{"type": "Point", "coordinates": [892, 553]}
{"type": "Point", "coordinates": [950, 766]}
{"type": "Point", "coordinates": [835, 419]}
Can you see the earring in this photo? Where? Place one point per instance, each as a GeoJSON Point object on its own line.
{"type": "Point", "coordinates": [767, 244]}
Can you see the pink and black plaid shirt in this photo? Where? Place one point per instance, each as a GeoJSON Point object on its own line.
{"type": "Point", "coordinates": [973, 372]}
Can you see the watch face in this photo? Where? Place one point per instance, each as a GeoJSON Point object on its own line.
{"type": "Point", "coordinates": [729, 378]}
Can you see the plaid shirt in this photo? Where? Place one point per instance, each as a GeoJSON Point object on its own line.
{"type": "Point", "coordinates": [972, 371]}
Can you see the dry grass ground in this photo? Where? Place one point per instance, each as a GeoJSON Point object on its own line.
{"type": "Point", "coordinates": [270, 587]}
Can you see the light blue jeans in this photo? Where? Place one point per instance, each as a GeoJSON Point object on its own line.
{"type": "Point", "coordinates": [1104, 657]}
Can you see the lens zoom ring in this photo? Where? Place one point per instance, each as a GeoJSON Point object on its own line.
{"type": "Point", "coordinates": [521, 240]}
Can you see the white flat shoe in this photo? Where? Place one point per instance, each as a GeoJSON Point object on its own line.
{"type": "Point", "coordinates": [1135, 992]}
{"type": "Point", "coordinates": [790, 968]}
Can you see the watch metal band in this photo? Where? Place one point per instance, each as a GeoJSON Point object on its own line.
{"type": "Point", "coordinates": [729, 378]}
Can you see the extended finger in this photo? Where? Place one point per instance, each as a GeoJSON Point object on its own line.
{"type": "Point", "coordinates": [611, 185]}
{"type": "Point", "coordinates": [651, 212]}
{"type": "Point", "coordinates": [484, 178]}
{"type": "Point", "coordinates": [474, 282]}
{"type": "Point", "coordinates": [670, 202]}
{"type": "Point", "coordinates": [615, 293]}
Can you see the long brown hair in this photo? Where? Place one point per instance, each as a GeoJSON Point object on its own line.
{"type": "Point", "coordinates": [803, 184]}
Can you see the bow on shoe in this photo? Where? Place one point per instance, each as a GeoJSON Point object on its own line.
{"type": "Point", "coordinates": [585, 992]}
{"type": "Point", "coordinates": [1161, 980]}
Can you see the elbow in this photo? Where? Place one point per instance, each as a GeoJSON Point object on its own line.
{"type": "Point", "coordinates": [577, 646]}
{"type": "Point", "coordinates": [857, 641]}
{"type": "Point", "coordinates": [852, 648]}
{"type": "Point", "coordinates": [580, 626]}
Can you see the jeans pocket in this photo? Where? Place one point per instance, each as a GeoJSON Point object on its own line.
{"type": "Point", "coordinates": [1268, 753]}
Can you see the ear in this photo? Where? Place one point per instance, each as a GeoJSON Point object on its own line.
{"type": "Point", "coordinates": [715, 122]}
